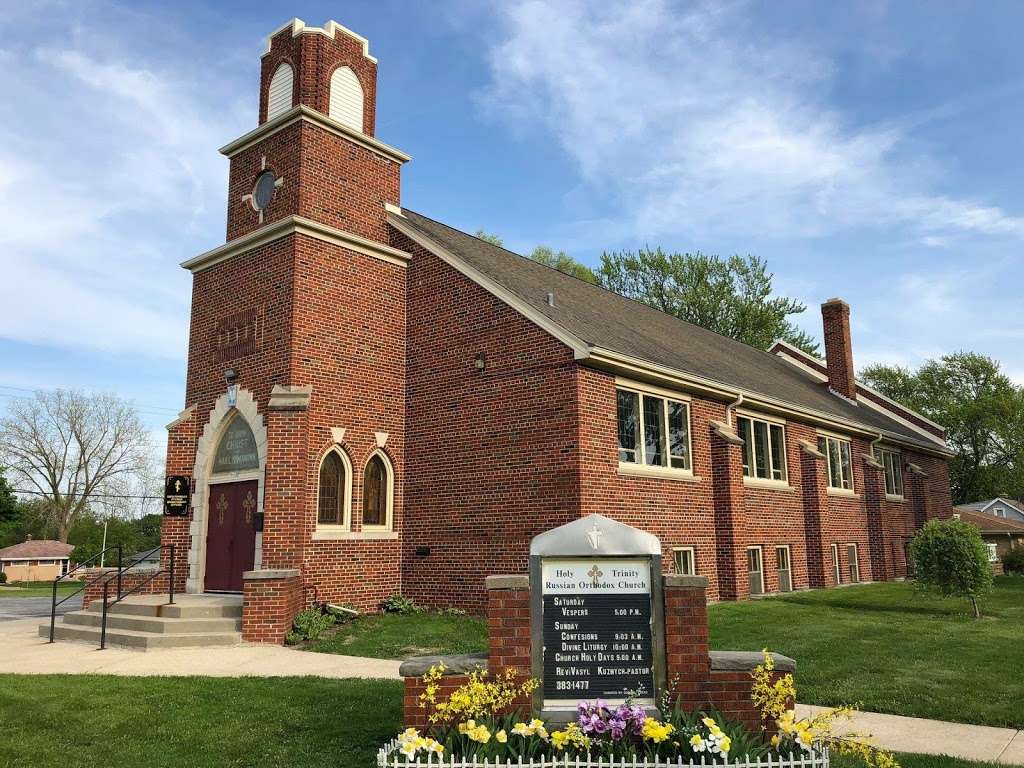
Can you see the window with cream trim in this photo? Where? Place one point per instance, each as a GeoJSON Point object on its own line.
{"type": "Point", "coordinates": [685, 561]}
{"type": "Point", "coordinates": [378, 492]}
{"type": "Point", "coordinates": [334, 493]}
{"type": "Point", "coordinates": [892, 463]}
{"type": "Point", "coordinates": [840, 467]}
{"type": "Point", "coordinates": [653, 430]}
{"type": "Point", "coordinates": [764, 448]}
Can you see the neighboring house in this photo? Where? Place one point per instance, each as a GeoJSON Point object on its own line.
{"type": "Point", "coordinates": [35, 560]}
{"type": "Point", "coordinates": [998, 507]}
{"type": "Point", "coordinates": [376, 402]}
{"type": "Point", "coordinates": [147, 559]}
{"type": "Point", "coordinates": [1000, 534]}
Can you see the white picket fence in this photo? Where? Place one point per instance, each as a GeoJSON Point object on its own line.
{"type": "Point", "coordinates": [388, 757]}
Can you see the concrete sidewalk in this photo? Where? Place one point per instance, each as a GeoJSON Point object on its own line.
{"type": "Point", "coordinates": [23, 652]}
{"type": "Point", "coordinates": [935, 737]}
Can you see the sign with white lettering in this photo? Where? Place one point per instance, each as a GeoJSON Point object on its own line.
{"type": "Point", "coordinates": [597, 618]}
{"type": "Point", "coordinates": [597, 630]}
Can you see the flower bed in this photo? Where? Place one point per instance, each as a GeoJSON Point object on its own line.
{"type": "Point", "coordinates": [476, 725]}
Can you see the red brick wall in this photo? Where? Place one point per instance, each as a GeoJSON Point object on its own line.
{"type": "Point", "coordinates": [129, 581]}
{"type": "Point", "coordinates": [491, 455]}
{"type": "Point", "coordinates": [327, 178]}
{"type": "Point", "coordinates": [687, 663]}
{"type": "Point", "coordinates": [268, 607]}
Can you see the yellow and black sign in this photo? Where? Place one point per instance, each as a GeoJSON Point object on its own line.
{"type": "Point", "coordinates": [177, 495]}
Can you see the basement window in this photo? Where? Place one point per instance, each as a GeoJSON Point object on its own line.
{"type": "Point", "coordinates": [653, 431]}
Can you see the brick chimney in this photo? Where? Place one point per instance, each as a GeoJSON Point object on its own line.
{"type": "Point", "coordinates": [835, 316]}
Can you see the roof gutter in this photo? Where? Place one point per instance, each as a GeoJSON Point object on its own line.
{"type": "Point", "coordinates": [620, 363]}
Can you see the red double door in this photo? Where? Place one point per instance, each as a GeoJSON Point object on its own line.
{"type": "Point", "coordinates": [230, 535]}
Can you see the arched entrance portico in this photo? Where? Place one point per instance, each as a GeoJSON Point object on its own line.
{"type": "Point", "coordinates": [229, 472]}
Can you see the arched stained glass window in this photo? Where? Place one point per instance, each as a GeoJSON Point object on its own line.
{"type": "Point", "coordinates": [333, 485]}
{"type": "Point", "coordinates": [377, 490]}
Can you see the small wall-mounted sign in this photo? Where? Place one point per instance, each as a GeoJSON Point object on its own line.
{"type": "Point", "coordinates": [177, 495]}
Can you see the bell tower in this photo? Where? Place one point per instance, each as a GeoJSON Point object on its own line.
{"type": "Point", "coordinates": [303, 312]}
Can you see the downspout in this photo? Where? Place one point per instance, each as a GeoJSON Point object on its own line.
{"type": "Point", "coordinates": [733, 405]}
{"type": "Point", "coordinates": [874, 443]}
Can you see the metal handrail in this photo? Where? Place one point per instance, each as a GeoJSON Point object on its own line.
{"type": "Point", "coordinates": [121, 594]}
{"type": "Point", "coordinates": [55, 602]}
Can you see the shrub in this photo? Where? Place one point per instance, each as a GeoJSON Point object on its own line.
{"type": "Point", "coordinates": [309, 625]}
{"type": "Point", "coordinates": [950, 558]}
{"type": "Point", "coordinates": [3, 578]}
{"type": "Point", "coordinates": [1013, 561]}
{"type": "Point", "coordinates": [400, 604]}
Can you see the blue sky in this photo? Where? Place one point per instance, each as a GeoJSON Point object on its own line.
{"type": "Point", "coordinates": [867, 150]}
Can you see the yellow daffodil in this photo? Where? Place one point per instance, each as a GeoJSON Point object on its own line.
{"type": "Point", "coordinates": [501, 737]}
{"type": "Point", "coordinates": [725, 744]}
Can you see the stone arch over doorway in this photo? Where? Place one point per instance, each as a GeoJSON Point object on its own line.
{"type": "Point", "coordinates": [220, 417]}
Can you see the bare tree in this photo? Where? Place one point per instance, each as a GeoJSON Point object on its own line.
{"type": "Point", "coordinates": [72, 448]}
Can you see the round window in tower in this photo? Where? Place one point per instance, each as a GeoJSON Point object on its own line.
{"type": "Point", "coordinates": [263, 192]}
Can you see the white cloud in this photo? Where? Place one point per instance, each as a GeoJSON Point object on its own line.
{"type": "Point", "coordinates": [110, 179]}
{"type": "Point", "coordinates": [689, 120]}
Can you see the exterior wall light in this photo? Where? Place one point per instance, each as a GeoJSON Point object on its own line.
{"type": "Point", "coordinates": [481, 362]}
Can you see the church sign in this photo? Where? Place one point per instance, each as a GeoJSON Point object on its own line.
{"type": "Point", "coordinates": [597, 616]}
{"type": "Point", "coordinates": [177, 494]}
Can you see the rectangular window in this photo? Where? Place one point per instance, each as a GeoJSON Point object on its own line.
{"type": "Point", "coordinates": [854, 563]}
{"type": "Point", "coordinates": [840, 466]}
{"type": "Point", "coordinates": [993, 553]}
{"type": "Point", "coordinates": [764, 448]}
{"type": "Point", "coordinates": [628, 406]}
{"type": "Point", "coordinates": [892, 463]}
{"type": "Point", "coordinates": [685, 561]}
{"type": "Point", "coordinates": [782, 566]}
{"type": "Point", "coordinates": [653, 430]}
{"type": "Point", "coordinates": [756, 570]}
{"type": "Point", "coordinates": [836, 572]}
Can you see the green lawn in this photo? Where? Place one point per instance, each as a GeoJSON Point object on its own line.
{"type": "Point", "coordinates": [890, 649]}
{"type": "Point", "coordinates": [57, 720]}
{"type": "Point", "coordinates": [37, 588]}
{"type": "Point", "coordinates": [398, 636]}
{"type": "Point", "coordinates": [120, 722]}
{"type": "Point", "coordinates": [881, 646]}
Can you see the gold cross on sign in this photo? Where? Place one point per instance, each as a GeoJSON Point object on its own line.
{"type": "Point", "coordinates": [595, 573]}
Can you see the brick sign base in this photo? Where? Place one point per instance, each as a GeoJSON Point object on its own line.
{"type": "Point", "coordinates": [699, 677]}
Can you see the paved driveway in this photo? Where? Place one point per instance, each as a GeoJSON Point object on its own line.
{"type": "Point", "coordinates": [12, 608]}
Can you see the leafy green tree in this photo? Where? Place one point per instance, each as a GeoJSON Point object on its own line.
{"type": "Point", "coordinates": [563, 262]}
{"type": "Point", "coordinates": [489, 237]}
{"type": "Point", "coordinates": [731, 296]}
{"type": "Point", "coordinates": [31, 518]}
{"type": "Point", "coordinates": [950, 559]}
{"type": "Point", "coordinates": [8, 500]}
{"type": "Point", "coordinates": [983, 414]}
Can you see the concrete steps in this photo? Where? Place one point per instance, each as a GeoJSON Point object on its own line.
{"type": "Point", "coordinates": [146, 622]}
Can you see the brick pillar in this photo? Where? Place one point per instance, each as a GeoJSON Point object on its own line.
{"type": "Point", "coordinates": [874, 496]}
{"type": "Point", "coordinates": [687, 662]}
{"type": "Point", "coordinates": [270, 600]}
{"type": "Point", "coordinates": [508, 624]}
{"type": "Point", "coordinates": [182, 435]}
{"type": "Point", "coordinates": [287, 511]}
{"type": "Point", "coordinates": [730, 517]}
{"type": "Point", "coordinates": [814, 487]}
{"type": "Point", "coordinates": [835, 315]}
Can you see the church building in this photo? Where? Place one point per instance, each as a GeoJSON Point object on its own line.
{"type": "Point", "coordinates": [378, 403]}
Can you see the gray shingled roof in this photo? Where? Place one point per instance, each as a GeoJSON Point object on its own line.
{"type": "Point", "coordinates": [610, 321]}
{"type": "Point", "coordinates": [978, 506]}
